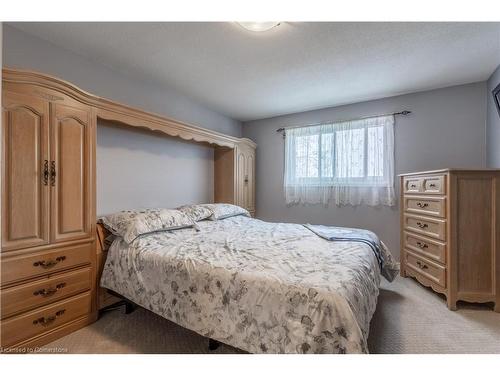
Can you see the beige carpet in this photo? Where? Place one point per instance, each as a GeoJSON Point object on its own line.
{"type": "Point", "coordinates": [409, 319]}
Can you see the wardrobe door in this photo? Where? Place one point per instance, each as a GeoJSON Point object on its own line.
{"type": "Point", "coordinates": [250, 181]}
{"type": "Point", "coordinates": [25, 194]}
{"type": "Point", "coordinates": [246, 177]}
{"type": "Point", "coordinates": [240, 182]}
{"type": "Point", "coordinates": [70, 172]}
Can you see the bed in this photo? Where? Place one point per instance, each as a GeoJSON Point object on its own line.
{"type": "Point", "coordinates": [258, 286]}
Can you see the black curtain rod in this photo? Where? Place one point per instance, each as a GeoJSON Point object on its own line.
{"type": "Point", "coordinates": [403, 113]}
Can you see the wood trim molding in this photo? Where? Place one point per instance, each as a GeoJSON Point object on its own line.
{"type": "Point", "coordinates": [422, 280]}
{"type": "Point", "coordinates": [113, 111]}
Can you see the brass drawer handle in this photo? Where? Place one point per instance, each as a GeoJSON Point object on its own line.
{"type": "Point", "coordinates": [422, 245]}
{"type": "Point", "coordinates": [52, 173]}
{"type": "Point", "coordinates": [49, 292]}
{"type": "Point", "coordinates": [422, 205]}
{"type": "Point", "coordinates": [50, 319]}
{"type": "Point", "coordinates": [421, 225]}
{"type": "Point", "coordinates": [421, 265]}
{"type": "Point", "coordinates": [50, 263]}
{"type": "Point", "coordinates": [45, 172]}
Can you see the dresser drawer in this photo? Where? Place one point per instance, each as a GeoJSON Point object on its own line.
{"type": "Point", "coordinates": [434, 228]}
{"type": "Point", "coordinates": [424, 184]}
{"type": "Point", "coordinates": [412, 185]}
{"type": "Point", "coordinates": [431, 249]}
{"type": "Point", "coordinates": [44, 319]}
{"type": "Point", "coordinates": [425, 205]}
{"type": "Point", "coordinates": [42, 292]}
{"type": "Point", "coordinates": [433, 185]}
{"type": "Point", "coordinates": [425, 267]}
{"type": "Point", "coordinates": [44, 262]}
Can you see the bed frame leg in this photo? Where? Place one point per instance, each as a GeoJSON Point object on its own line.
{"type": "Point", "coordinates": [213, 344]}
{"type": "Point", "coordinates": [129, 307]}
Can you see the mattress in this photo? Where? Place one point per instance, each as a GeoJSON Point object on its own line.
{"type": "Point", "coordinates": [258, 286]}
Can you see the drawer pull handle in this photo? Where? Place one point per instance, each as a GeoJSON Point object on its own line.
{"type": "Point", "coordinates": [421, 225]}
{"type": "Point", "coordinates": [50, 319]}
{"type": "Point", "coordinates": [413, 186]}
{"type": "Point", "coordinates": [422, 245]}
{"type": "Point", "coordinates": [49, 292]}
{"type": "Point", "coordinates": [421, 265]}
{"type": "Point", "coordinates": [52, 173]}
{"type": "Point", "coordinates": [432, 185]}
{"type": "Point", "coordinates": [50, 263]}
{"type": "Point", "coordinates": [45, 172]}
{"type": "Point", "coordinates": [422, 205]}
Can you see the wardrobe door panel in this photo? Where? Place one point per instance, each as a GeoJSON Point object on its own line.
{"type": "Point", "coordinates": [70, 172]}
{"type": "Point", "coordinates": [25, 193]}
{"type": "Point", "coordinates": [240, 170]}
{"type": "Point", "coordinates": [250, 181]}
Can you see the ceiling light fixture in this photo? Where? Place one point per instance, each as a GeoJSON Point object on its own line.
{"type": "Point", "coordinates": [258, 26]}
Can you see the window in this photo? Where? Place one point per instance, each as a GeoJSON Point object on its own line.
{"type": "Point", "coordinates": [348, 162]}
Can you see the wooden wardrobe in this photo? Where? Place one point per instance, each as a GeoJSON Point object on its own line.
{"type": "Point", "coordinates": [48, 195]}
{"type": "Point", "coordinates": [239, 186]}
{"type": "Point", "coordinates": [49, 258]}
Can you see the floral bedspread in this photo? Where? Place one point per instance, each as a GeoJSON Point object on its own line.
{"type": "Point", "coordinates": [258, 286]}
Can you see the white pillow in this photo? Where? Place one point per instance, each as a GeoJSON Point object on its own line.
{"type": "Point", "coordinates": [131, 224]}
{"type": "Point", "coordinates": [197, 212]}
{"type": "Point", "coordinates": [225, 210]}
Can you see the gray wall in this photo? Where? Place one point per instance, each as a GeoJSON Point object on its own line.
{"type": "Point", "coordinates": [133, 168]}
{"type": "Point", "coordinates": [493, 123]}
{"type": "Point", "coordinates": [137, 168]}
{"type": "Point", "coordinates": [446, 129]}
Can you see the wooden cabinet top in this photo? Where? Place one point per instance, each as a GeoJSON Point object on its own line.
{"type": "Point", "coordinates": [453, 170]}
{"type": "Point", "coordinates": [48, 87]}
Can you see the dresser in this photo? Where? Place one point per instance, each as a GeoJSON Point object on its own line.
{"type": "Point", "coordinates": [48, 215]}
{"type": "Point", "coordinates": [450, 233]}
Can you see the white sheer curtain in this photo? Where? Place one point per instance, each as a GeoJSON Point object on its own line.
{"type": "Point", "coordinates": [349, 162]}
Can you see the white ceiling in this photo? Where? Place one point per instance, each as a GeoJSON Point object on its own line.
{"type": "Point", "coordinates": [291, 68]}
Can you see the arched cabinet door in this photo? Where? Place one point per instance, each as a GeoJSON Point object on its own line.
{"type": "Point", "coordinates": [25, 190]}
{"type": "Point", "coordinates": [250, 180]}
{"type": "Point", "coordinates": [240, 172]}
{"type": "Point", "coordinates": [245, 177]}
{"type": "Point", "coordinates": [70, 172]}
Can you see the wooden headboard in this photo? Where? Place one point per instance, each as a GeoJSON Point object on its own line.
{"type": "Point", "coordinates": [102, 234]}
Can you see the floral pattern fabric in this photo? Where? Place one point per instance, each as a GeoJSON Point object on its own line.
{"type": "Point", "coordinates": [225, 210]}
{"type": "Point", "coordinates": [258, 286]}
{"type": "Point", "coordinates": [213, 211]}
{"type": "Point", "coordinates": [132, 223]}
{"type": "Point", "coordinates": [197, 212]}
{"type": "Point", "coordinates": [388, 266]}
